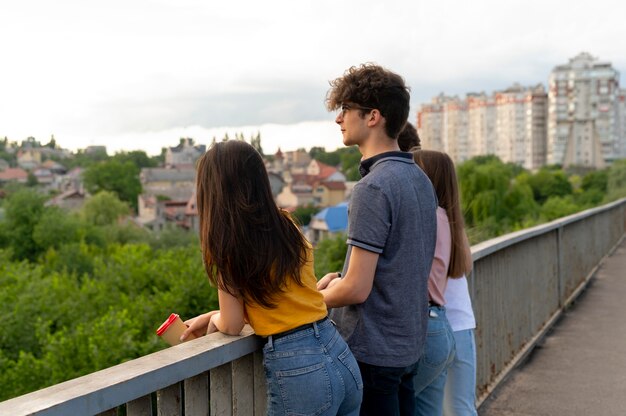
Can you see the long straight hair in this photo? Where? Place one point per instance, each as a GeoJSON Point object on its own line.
{"type": "Point", "coordinates": [250, 247]}
{"type": "Point", "coordinates": [440, 170]}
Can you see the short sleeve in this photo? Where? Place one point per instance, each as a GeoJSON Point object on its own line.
{"type": "Point", "coordinates": [369, 220]}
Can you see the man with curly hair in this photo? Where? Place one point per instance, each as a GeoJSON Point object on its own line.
{"type": "Point", "coordinates": [382, 300]}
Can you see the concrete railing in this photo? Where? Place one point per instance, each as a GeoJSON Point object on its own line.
{"type": "Point", "coordinates": [523, 281]}
{"type": "Point", "coordinates": [520, 285]}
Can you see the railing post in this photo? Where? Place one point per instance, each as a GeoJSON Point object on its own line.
{"type": "Point", "coordinates": [197, 395]}
{"type": "Point", "coordinates": [559, 266]}
{"type": "Point", "coordinates": [140, 407]}
{"type": "Point", "coordinates": [260, 386]}
{"type": "Point", "coordinates": [169, 401]}
{"type": "Point", "coordinates": [221, 381]}
{"type": "Point", "coordinates": [243, 382]}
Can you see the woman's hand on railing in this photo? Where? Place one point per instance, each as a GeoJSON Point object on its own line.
{"type": "Point", "coordinates": [199, 325]}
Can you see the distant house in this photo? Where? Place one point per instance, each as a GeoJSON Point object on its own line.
{"type": "Point", "coordinates": [14, 175]}
{"type": "Point", "coordinates": [43, 175]}
{"type": "Point", "coordinates": [4, 165]}
{"type": "Point", "coordinates": [191, 212]}
{"type": "Point", "coordinates": [296, 161]}
{"type": "Point", "coordinates": [72, 180]}
{"type": "Point", "coordinates": [29, 158]}
{"type": "Point", "coordinates": [324, 172]}
{"type": "Point", "coordinates": [327, 222]}
{"type": "Point", "coordinates": [72, 200]}
{"type": "Point", "coordinates": [185, 154]}
{"type": "Point", "coordinates": [329, 193]}
{"type": "Point", "coordinates": [319, 184]}
{"type": "Point", "coordinates": [168, 181]}
{"type": "Point", "coordinates": [54, 167]}
{"type": "Point", "coordinates": [276, 183]}
{"type": "Point", "coordinates": [165, 194]}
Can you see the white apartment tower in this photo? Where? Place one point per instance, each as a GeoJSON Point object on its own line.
{"type": "Point", "coordinates": [455, 134]}
{"type": "Point", "coordinates": [510, 124]}
{"type": "Point", "coordinates": [583, 126]}
{"type": "Point", "coordinates": [521, 125]}
{"type": "Point", "coordinates": [481, 124]}
{"type": "Point", "coordinates": [430, 123]}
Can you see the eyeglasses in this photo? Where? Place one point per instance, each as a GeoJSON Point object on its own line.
{"type": "Point", "coordinates": [346, 107]}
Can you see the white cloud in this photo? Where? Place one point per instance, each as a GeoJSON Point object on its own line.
{"type": "Point", "coordinates": [86, 69]}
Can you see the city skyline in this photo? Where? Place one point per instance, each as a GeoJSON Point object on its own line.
{"type": "Point", "coordinates": [142, 75]}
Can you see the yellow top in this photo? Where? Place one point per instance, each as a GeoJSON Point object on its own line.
{"type": "Point", "coordinates": [297, 305]}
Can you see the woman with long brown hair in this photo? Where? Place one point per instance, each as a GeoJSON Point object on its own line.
{"type": "Point", "coordinates": [262, 267]}
{"type": "Point", "coordinates": [452, 260]}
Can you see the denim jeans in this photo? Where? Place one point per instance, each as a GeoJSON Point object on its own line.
{"type": "Point", "coordinates": [388, 391]}
{"type": "Point", "coordinates": [433, 365]}
{"type": "Point", "coordinates": [312, 372]}
{"type": "Point", "coordinates": [460, 393]}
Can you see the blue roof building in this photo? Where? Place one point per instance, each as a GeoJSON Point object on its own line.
{"type": "Point", "coordinates": [329, 221]}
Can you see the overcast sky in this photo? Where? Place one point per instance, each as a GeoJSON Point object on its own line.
{"type": "Point", "coordinates": [139, 74]}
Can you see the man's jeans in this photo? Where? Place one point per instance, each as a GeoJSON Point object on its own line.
{"type": "Point", "coordinates": [459, 398]}
{"type": "Point", "coordinates": [433, 365]}
{"type": "Point", "coordinates": [388, 391]}
{"type": "Point", "coordinates": [312, 372]}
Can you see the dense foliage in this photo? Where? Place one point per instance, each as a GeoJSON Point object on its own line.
{"type": "Point", "coordinates": [84, 291]}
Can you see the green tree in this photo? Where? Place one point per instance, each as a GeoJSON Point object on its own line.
{"type": "Point", "coordinates": [616, 181]}
{"type": "Point", "coordinates": [55, 228]}
{"type": "Point", "coordinates": [31, 181]}
{"type": "Point", "coordinates": [104, 208]}
{"type": "Point", "coordinates": [138, 158]}
{"type": "Point", "coordinates": [350, 162]}
{"type": "Point", "coordinates": [557, 207]}
{"type": "Point", "coordinates": [305, 213]}
{"type": "Point", "coordinates": [255, 141]}
{"type": "Point", "coordinates": [484, 181]}
{"type": "Point", "coordinates": [548, 182]}
{"type": "Point", "coordinates": [121, 178]}
{"type": "Point", "coordinates": [22, 213]}
{"type": "Point", "coordinates": [597, 179]}
{"type": "Point", "coordinates": [329, 158]}
{"type": "Point", "coordinates": [330, 254]}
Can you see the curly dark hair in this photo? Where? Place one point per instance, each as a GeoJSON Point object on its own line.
{"type": "Point", "coordinates": [370, 85]}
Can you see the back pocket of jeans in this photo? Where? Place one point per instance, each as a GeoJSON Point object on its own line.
{"type": "Point", "coordinates": [347, 359]}
{"type": "Point", "coordinates": [305, 391]}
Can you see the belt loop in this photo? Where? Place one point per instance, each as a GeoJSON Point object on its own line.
{"type": "Point", "coordinates": [270, 342]}
{"type": "Point", "coordinates": [316, 330]}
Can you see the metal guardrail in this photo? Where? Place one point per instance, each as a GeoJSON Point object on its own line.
{"type": "Point", "coordinates": [520, 285]}
{"type": "Point", "coordinates": [522, 282]}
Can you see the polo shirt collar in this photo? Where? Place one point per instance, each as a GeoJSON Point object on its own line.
{"type": "Point", "coordinates": [366, 164]}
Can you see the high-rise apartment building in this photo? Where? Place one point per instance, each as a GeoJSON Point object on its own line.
{"type": "Point", "coordinates": [583, 128]}
{"type": "Point", "coordinates": [481, 124]}
{"type": "Point", "coordinates": [455, 129]}
{"type": "Point", "coordinates": [521, 125]}
{"type": "Point", "coordinates": [430, 123]}
{"type": "Point", "coordinates": [510, 124]}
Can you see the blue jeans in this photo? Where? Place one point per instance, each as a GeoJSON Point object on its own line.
{"type": "Point", "coordinates": [388, 391]}
{"type": "Point", "coordinates": [433, 365]}
{"type": "Point", "coordinates": [312, 372]}
{"type": "Point", "coordinates": [460, 393]}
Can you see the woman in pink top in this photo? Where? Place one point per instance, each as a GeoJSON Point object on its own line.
{"type": "Point", "coordinates": [452, 259]}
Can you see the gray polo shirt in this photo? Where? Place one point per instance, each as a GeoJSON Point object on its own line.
{"type": "Point", "coordinates": [392, 213]}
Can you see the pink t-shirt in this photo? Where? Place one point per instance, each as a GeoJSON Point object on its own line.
{"type": "Point", "coordinates": [438, 278]}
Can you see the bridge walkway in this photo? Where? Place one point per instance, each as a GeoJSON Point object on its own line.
{"type": "Point", "coordinates": [580, 367]}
